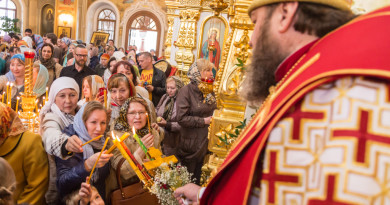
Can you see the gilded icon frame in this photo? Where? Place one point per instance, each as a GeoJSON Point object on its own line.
{"type": "Point", "coordinates": [99, 36]}
{"type": "Point", "coordinates": [205, 32]}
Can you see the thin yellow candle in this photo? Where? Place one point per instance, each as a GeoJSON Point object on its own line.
{"type": "Point", "coordinates": [36, 105]}
{"type": "Point", "coordinates": [127, 157]}
{"type": "Point", "coordinates": [147, 118]}
{"type": "Point", "coordinates": [2, 100]}
{"type": "Point", "coordinates": [17, 104]}
{"type": "Point", "coordinates": [10, 93]}
{"type": "Point", "coordinates": [44, 100]}
{"type": "Point", "coordinates": [46, 92]}
{"type": "Point", "coordinates": [7, 92]}
{"type": "Point", "coordinates": [96, 138]}
{"type": "Point", "coordinates": [124, 136]}
{"type": "Point", "coordinates": [105, 98]}
{"type": "Point", "coordinates": [94, 166]}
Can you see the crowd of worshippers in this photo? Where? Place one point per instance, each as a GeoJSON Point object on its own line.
{"type": "Point", "coordinates": [52, 167]}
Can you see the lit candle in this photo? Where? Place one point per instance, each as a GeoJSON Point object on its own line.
{"type": "Point", "coordinates": [94, 166]}
{"type": "Point", "coordinates": [17, 104]}
{"type": "Point", "coordinates": [105, 98]}
{"type": "Point", "coordinates": [128, 159]}
{"type": "Point", "coordinates": [123, 137]}
{"type": "Point", "coordinates": [44, 100]}
{"type": "Point", "coordinates": [47, 91]}
{"type": "Point", "coordinates": [143, 147]}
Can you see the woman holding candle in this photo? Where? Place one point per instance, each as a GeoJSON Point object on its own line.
{"type": "Point", "coordinates": [89, 122]}
{"type": "Point", "coordinates": [133, 114]}
{"type": "Point", "coordinates": [194, 116]}
{"type": "Point", "coordinates": [57, 114]}
{"type": "Point", "coordinates": [90, 89]}
{"type": "Point", "coordinates": [166, 112]}
{"type": "Point", "coordinates": [46, 59]}
{"type": "Point", "coordinates": [23, 150]}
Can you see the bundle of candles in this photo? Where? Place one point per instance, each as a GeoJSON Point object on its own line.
{"type": "Point", "coordinates": [144, 171]}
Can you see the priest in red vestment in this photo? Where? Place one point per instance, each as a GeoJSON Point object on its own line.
{"type": "Point", "coordinates": [322, 134]}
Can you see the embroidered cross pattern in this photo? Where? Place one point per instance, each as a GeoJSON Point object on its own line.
{"type": "Point", "coordinates": [362, 136]}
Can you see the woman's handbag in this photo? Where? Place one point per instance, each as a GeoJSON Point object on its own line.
{"type": "Point", "coordinates": [133, 194]}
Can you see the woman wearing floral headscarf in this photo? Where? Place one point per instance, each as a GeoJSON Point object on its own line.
{"type": "Point", "coordinates": [38, 44]}
{"type": "Point", "coordinates": [134, 113]}
{"type": "Point", "coordinates": [23, 150]}
{"type": "Point", "coordinates": [89, 122]}
{"type": "Point", "coordinates": [166, 112]}
{"type": "Point", "coordinates": [194, 115]}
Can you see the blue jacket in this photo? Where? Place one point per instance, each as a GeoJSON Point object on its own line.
{"type": "Point", "coordinates": [71, 173]}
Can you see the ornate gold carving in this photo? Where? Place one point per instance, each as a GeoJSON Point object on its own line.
{"type": "Point", "coordinates": [168, 41]}
{"type": "Point", "coordinates": [186, 41]}
{"type": "Point", "coordinates": [242, 47]}
{"type": "Point", "coordinates": [217, 6]}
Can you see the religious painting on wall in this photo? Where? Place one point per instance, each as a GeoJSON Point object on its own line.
{"type": "Point", "coordinates": [214, 31]}
{"type": "Point", "coordinates": [64, 31]}
{"type": "Point", "coordinates": [99, 37]}
{"type": "Point", "coordinates": [47, 19]}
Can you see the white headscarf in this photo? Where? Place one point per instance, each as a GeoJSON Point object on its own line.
{"type": "Point", "coordinates": [28, 41]}
{"type": "Point", "coordinates": [58, 85]}
{"type": "Point", "coordinates": [41, 82]}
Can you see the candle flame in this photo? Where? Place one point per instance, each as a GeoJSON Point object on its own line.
{"type": "Point", "coordinates": [133, 130]}
{"type": "Point", "coordinates": [7, 83]}
{"type": "Point", "coordinates": [17, 98]}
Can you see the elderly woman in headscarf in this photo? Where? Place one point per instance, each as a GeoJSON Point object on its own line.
{"type": "Point", "coordinates": [23, 150]}
{"type": "Point", "coordinates": [194, 115]}
{"type": "Point", "coordinates": [89, 122]}
{"type": "Point", "coordinates": [28, 40]}
{"type": "Point", "coordinates": [65, 43]}
{"type": "Point", "coordinates": [58, 113]}
{"type": "Point", "coordinates": [135, 114]}
{"type": "Point", "coordinates": [166, 112]}
{"type": "Point", "coordinates": [46, 59]}
{"type": "Point", "coordinates": [90, 90]}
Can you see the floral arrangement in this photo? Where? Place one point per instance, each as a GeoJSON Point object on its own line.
{"type": "Point", "coordinates": [167, 178]}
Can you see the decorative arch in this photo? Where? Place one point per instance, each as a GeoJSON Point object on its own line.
{"type": "Point", "coordinates": [21, 13]}
{"type": "Point", "coordinates": [92, 15]}
{"type": "Point", "coordinates": [146, 6]}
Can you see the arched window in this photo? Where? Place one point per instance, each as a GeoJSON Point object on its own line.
{"type": "Point", "coordinates": [143, 32]}
{"type": "Point", "coordinates": [8, 9]}
{"type": "Point", "coordinates": [106, 22]}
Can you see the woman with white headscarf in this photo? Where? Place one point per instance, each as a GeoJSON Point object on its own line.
{"type": "Point", "coordinates": [57, 114]}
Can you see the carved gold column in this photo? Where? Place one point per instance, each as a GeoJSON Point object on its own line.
{"type": "Point", "coordinates": [168, 42]}
{"type": "Point", "coordinates": [186, 41]}
{"type": "Point", "coordinates": [230, 109]}
{"type": "Point", "coordinates": [190, 42]}
{"type": "Point", "coordinates": [180, 41]}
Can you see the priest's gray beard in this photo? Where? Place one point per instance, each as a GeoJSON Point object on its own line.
{"type": "Point", "coordinates": [260, 74]}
